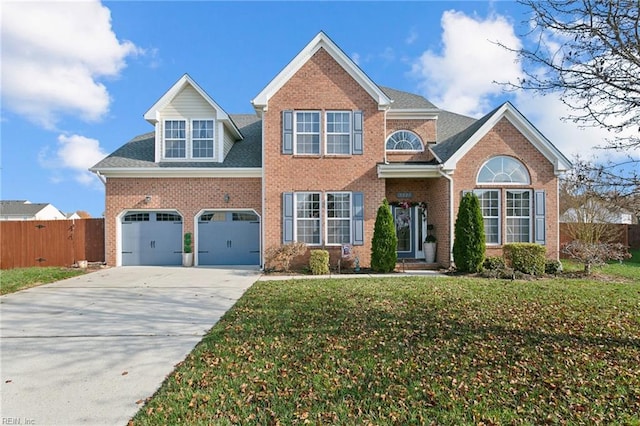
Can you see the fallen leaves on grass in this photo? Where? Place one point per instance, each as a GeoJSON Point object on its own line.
{"type": "Point", "coordinates": [413, 351]}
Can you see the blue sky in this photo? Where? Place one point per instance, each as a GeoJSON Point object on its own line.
{"type": "Point", "coordinates": [77, 77]}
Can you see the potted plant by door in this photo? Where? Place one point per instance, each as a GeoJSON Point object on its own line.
{"type": "Point", "coordinates": [430, 248]}
{"type": "Point", "coordinates": [187, 253]}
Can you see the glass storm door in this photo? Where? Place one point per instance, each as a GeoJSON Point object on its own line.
{"type": "Point", "coordinates": [410, 230]}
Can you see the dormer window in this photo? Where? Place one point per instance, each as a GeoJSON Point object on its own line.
{"type": "Point", "coordinates": [175, 141]}
{"type": "Point", "coordinates": [202, 137]}
{"type": "Point", "coordinates": [404, 140]}
{"type": "Point", "coordinates": [185, 139]}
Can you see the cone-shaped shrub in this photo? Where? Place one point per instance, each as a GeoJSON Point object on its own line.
{"type": "Point", "coordinates": [385, 241]}
{"type": "Point", "coordinates": [469, 240]}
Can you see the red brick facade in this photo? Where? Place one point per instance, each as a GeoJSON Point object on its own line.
{"type": "Point", "coordinates": [322, 84]}
{"type": "Point", "coordinates": [187, 196]}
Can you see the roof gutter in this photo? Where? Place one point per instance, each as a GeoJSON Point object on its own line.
{"type": "Point", "coordinates": [102, 178]}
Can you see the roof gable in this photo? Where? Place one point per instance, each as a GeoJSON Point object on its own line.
{"type": "Point", "coordinates": [453, 149]}
{"type": "Point", "coordinates": [320, 41]}
{"type": "Point", "coordinates": [152, 115]}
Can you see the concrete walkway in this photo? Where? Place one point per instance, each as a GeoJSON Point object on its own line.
{"type": "Point", "coordinates": [89, 350]}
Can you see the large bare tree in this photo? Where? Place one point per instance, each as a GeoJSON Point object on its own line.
{"type": "Point", "coordinates": [588, 52]}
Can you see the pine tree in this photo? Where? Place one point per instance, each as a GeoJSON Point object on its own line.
{"type": "Point", "coordinates": [469, 243]}
{"type": "Point", "coordinates": [385, 241]}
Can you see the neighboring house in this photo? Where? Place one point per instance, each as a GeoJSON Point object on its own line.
{"type": "Point", "coordinates": [325, 147]}
{"type": "Point", "coordinates": [26, 210]}
{"type": "Point", "coordinates": [596, 212]}
{"type": "Point", "coordinates": [73, 215]}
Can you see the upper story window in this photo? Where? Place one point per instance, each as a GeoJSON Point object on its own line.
{"type": "Point", "coordinates": [504, 170]}
{"type": "Point", "coordinates": [322, 133]}
{"type": "Point", "coordinates": [338, 132]}
{"type": "Point", "coordinates": [175, 141]}
{"type": "Point", "coordinates": [202, 138]}
{"type": "Point", "coordinates": [189, 139]}
{"type": "Point", "coordinates": [404, 140]}
{"type": "Point", "coordinates": [307, 132]}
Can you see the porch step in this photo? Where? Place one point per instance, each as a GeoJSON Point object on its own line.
{"type": "Point", "coordinates": [415, 265]}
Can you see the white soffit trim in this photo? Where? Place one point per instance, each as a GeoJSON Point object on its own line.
{"type": "Point", "coordinates": [321, 40]}
{"type": "Point", "coordinates": [412, 114]}
{"type": "Point", "coordinates": [152, 115]}
{"type": "Point", "coordinates": [404, 170]}
{"type": "Point", "coordinates": [181, 172]}
{"type": "Point", "coordinates": [560, 163]}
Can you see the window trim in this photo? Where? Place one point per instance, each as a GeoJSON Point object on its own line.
{"type": "Point", "coordinates": [188, 139]}
{"type": "Point", "coordinates": [165, 139]}
{"type": "Point", "coordinates": [499, 217]}
{"type": "Point", "coordinates": [296, 218]}
{"type": "Point", "coordinates": [524, 168]}
{"type": "Point", "coordinates": [529, 217]}
{"type": "Point", "coordinates": [296, 133]}
{"type": "Point", "coordinates": [349, 133]}
{"type": "Point", "coordinates": [327, 219]}
{"type": "Point", "coordinates": [213, 139]}
{"type": "Point", "coordinates": [402, 151]}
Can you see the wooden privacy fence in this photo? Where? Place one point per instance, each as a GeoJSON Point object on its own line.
{"type": "Point", "coordinates": [50, 242]}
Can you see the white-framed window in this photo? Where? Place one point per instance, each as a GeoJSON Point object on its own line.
{"type": "Point", "coordinates": [338, 217]}
{"type": "Point", "coordinates": [307, 217]}
{"type": "Point", "coordinates": [202, 138]}
{"type": "Point", "coordinates": [338, 132]}
{"type": "Point", "coordinates": [307, 132]}
{"type": "Point", "coordinates": [518, 213]}
{"type": "Point", "coordinates": [490, 207]}
{"type": "Point", "coordinates": [175, 139]}
{"type": "Point", "coordinates": [503, 170]}
{"type": "Point", "coordinates": [404, 140]}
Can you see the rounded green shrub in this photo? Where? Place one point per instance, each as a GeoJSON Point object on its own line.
{"type": "Point", "coordinates": [469, 239]}
{"type": "Point", "coordinates": [528, 258]}
{"type": "Point", "coordinates": [385, 241]}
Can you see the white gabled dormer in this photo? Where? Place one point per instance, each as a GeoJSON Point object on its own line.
{"type": "Point", "coordinates": [190, 125]}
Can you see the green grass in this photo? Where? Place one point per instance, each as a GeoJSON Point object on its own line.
{"type": "Point", "coordinates": [414, 350]}
{"type": "Point", "coordinates": [13, 280]}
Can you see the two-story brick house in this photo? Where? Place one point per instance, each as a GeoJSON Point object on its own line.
{"type": "Point", "coordinates": [325, 147]}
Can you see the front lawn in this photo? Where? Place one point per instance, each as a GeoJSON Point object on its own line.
{"type": "Point", "coordinates": [13, 280]}
{"type": "Point", "coordinates": [414, 350]}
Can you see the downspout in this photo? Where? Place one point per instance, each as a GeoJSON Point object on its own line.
{"type": "Point", "coordinates": [264, 192]}
{"type": "Point", "coordinates": [451, 235]}
{"type": "Point", "coordinates": [385, 135]}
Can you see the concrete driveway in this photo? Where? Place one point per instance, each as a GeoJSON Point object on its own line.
{"type": "Point", "coordinates": [88, 350]}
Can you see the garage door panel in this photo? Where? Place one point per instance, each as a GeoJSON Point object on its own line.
{"type": "Point", "coordinates": [229, 238]}
{"type": "Point", "coordinates": [151, 238]}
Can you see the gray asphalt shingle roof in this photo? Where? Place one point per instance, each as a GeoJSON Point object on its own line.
{"type": "Point", "coordinates": [406, 100]}
{"type": "Point", "coordinates": [20, 208]}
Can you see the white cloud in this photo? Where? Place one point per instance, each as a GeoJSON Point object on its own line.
{"type": "Point", "coordinates": [355, 57]}
{"type": "Point", "coordinates": [75, 154]}
{"type": "Point", "coordinates": [462, 77]}
{"type": "Point", "coordinates": [53, 55]}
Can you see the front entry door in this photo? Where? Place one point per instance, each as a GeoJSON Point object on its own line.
{"type": "Point", "coordinates": [410, 231]}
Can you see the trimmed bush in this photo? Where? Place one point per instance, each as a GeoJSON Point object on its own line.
{"type": "Point", "coordinates": [528, 258]}
{"type": "Point", "coordinates": [494, 263]}
{"type": "Point", "coordinates": [319, 262]}
{"type": "Point", "coordinates": [385, 241]}
{"type": "Point", "coordinates": [552, 267]}
{"type": "Point", "coordinates": [280, 257]}
{"type": "Point", "coordinates": [469, 243]}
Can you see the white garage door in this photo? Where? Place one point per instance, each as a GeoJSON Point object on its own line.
{"type": "Point", "coordinates": [151, 238]}
{"type": "Point", "coordinates": [229, 238]}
